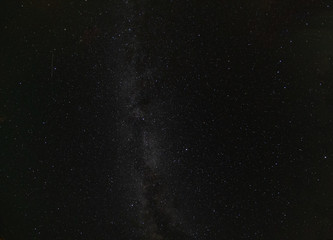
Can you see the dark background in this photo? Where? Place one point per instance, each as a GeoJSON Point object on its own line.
{"type": "Point", "coordinates": [246, 88]}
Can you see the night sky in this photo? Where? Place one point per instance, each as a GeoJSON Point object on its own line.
{"type": "Point", "coordinates": [166, 120]}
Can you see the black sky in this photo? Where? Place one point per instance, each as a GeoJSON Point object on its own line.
{"type": "Point", "coordinates": [166, 119]}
